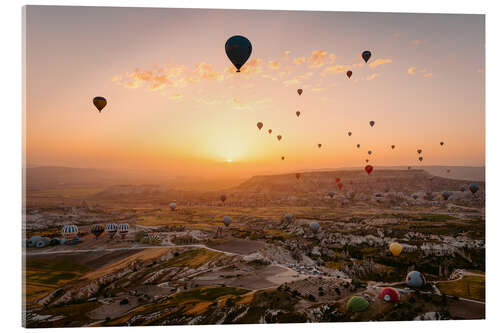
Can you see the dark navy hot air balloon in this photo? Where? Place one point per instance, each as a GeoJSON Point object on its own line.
{"type": "Point", "coordinates": [100, 103]}
{"type": "Point", "coordinates": [238, 50]}
{"type": "Point", "coordinates": [366, 55]}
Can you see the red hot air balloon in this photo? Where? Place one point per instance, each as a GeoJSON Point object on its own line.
{"type": "Point", "coordinates": [223, 198]}
{"type": "Point", "coordinates": [299, 91]}
{"type": "Point", "coordinates": [349, 74]}
{"type": "Point", "coordinates": [270, 131]}
{"type": "Point", "coordinates": [259, 125]}
{"type": "Point", "coordinates": [297, 175]}
{"type": "Point", "coordinates": [297, 113]}
{"type": "Point", "coordinates": [368, 169]}
{"type": "Point", "coordinates": [340, 185]}
{"type": "Point", "coordinates": [279, 137]}
{"type": "Point", "coordinates": [337, 179]}
{"type": "Point", "coordinates": [349, 133]}
{"type": "Point", "coordinates": [319, 145]}
{"type": "Point", "coordinates": [389, 295]}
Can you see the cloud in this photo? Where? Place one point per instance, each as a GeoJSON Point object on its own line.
{"type": "Point", "coordinates": [298, 61]}
{"type": "Point", "coordinates": [175, 97]}
{"type": "Point", "coordinates": [318, 58]}
{"type": "Point", "coordinates": [335, 69]}
{"type": "Point", "coordinates": [480, 70]}
{"type": "Point", "coordinates": [423, 70]}
{"type": "Point", "coordinates": [428, 75]}
{"type": "Point", "coordinates": [416, 42]}
{"type": "Point", "coordinates": [373, 76]}
{"type": "Point", "coordinates": [379, 62]}
{"type": "Point", "coordinates": [396, 35]}
{"type": "Point", "coordinates": [411, 70]}
{"type": "Point", "coordinates": [291, 81]}
{"type": "Point", "coordinates": [273, 64]}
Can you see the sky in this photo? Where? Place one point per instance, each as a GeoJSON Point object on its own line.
{"type": "Point", "coordinates": [176, 104]}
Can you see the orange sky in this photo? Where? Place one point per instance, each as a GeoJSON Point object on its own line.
{"type": "Point", "coordinates": [175, 103]}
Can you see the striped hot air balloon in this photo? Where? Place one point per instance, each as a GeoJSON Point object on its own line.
{"type": "Point", "coordinates": [111, 229]}
{"type": "Point", "coordinates": [123, 229]}
{"type": "Point", "coordinates": [97, 230]}
{"type": "Point", "coordinates": [70, 231]}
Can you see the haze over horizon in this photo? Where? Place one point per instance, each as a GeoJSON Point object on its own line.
{"type": "Point", "coordinates": [175, 104]}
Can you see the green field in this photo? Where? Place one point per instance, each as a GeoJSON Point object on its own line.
{"type": "Point", "coordinates": [470, 286]}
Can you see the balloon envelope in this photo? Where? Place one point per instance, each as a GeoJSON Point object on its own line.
{"type": "Point", "coordinates": [389, 294]}
{"type": "Point", "coordinates": [395, 249]}
{"type": "Point", "coordinates": [259, 125]}
{"type": "Point", "coordinates": [299, 91]}
{"type": "Point", "coordinates": [366, 55]}
{"type": "Point", "coordinates": [314, 227]}
{"type": "Point", "coordinates": [415, 279]}
{"type": "Point", "coordinates": [357, 304]}
{"type": "Point", "coordinates": [238, 50]}
{"type": "Point", "coordinates": [100, 103]}
{"type": "Point", "coordinates": [227, 220]}
{"type": "Point", "coordinates": [297, 113]}
{"type": "Point", "coordinates": [349, 74]}
{"type": "Point", "coordinates": [372, 123]}
{"type": "Point", "coordinates": [368, 169]}
{"type": "Point", "coordinates": [473, 188]}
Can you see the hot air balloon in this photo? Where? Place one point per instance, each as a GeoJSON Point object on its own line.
{"type": "Point", "coordinates": [155, 239]}
{"type": "Point", "coordinates": [358, 145]}
{"type": "Point", "coordinates": [297, 113]}
{"type": "Point", "coordinates": [123, 229]}
{"type": "Point", "coordinates": [223, 198]}
{"type": "Point", "coordinates": [288, 217]}
{"type": "Point", "coordinates": [100, 103]}
{"type": "Point", "coordinates": [97, 230]}
{"type": "Point", "coordinates": [238, 50]}
{"type": "Point", "coordinates": [297, 175]}
{"type": "Point", "coordinates": [349, 133]}
{"type": "Point", "coordinates": [111, 229]}
{"type": "Point", "coordinates": [357, 304]}
{"type": "Point", "coordinates": [279, 137]}
{"type": "Point", "coordinates": [395, 249]}
{"type": "Point", "coordinates": [415, 196]}
{"type": "Point", "coordinates": [462, 188]}
{"type": "Point", "coordinates": [319, 145]}
{"type": "Point", "coordinates": [367, 160]}
{"type": "Point", "coordinates": [409, 167]}
{"type": "Point", "coordinates": [473, 188]}
{"type": "Point", "coordinates": [172, 206]}
{"type": "Point", "coordinates": [299, 91]}
{"type": "Point", "coordinates": [372, 123]}
{"type": "Point", "coordinates": [227, 220]}
{"type": "Point", "coordinates": [340, 185]}
{"type": "Point", "coordinates": [282, 158]}
{"type": "Point", "coordinates": [314, 226]}
{"type": "Point", "coordinates": [369, 152]}
{"type": "Point", "coordinates": [389, 295]}
{"type": "Point", "coordinates": [448, 170]}
{"type": "Point", "coordinates": [415, 279]}
{"type": "Point", "coordinates": [331, 194]}
{"type": "Point", "coordinates": [446, 195]}
{"type": "Point", "coordinates": [366, 55]}
{"type": "Point", "coordinates": [337, 179]}
{"type": "Point", "coordinates": [349, 74]}
{"type": "Point", "coordinates": [420, 158]}
{"type": "Point", "coordinates": [393, 146]}
{"type": "Point", "coordinates": [259, 125]}
{"type": "Point", "coordinates": [368, 169]}
{"type": "Point", "coordinates": [269, 131]}
{"type": "Point", "coordinates": [419, 151]}
{"type": "Point", "coordinates": [69, 231]}
{"type": "Point", "coordinates": [441, 143]}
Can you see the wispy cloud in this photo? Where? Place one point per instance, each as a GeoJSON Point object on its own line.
{"type": "Point", "coordinates": [379, 62]}
{"type": "Point", "coordinates": [298, 61]}
{"type": "Point", "coordinates": [372, 77]}
{"type": "Point", "coordinates": [427, 74]}
{"type": "Point", "coordinates": [273, 64]}
{"type": "Point", "coordinates": [412, 70]}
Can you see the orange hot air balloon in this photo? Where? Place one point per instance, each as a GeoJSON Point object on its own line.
{"type": "Point", "coordinates": [282, 158]}
{"type": "Point", "coordinates": [340, 185]}
{"type": "Point", "coordinates": [259, 125]}
{"type": "Point", "coordinates": [270, 131]}
{"type": "Point", "coordinates": [393, 146]}
{"type": "Point", "coordinates": [297, 175]}
{"type": "Point", "coordinates": [349, 73]}
{"type": "Point", "coordinates": [349, 133]}
{"type": "Point", "coordinates": [279, 137]}
{"type": "Point", "coordinates": [299, 91]}
{"type": "Point", "coordinates": [319, 145]}
{"type": "Point", "coordinates": [297, 113]}
{"type": "Point", "coordinates": [368, 169]}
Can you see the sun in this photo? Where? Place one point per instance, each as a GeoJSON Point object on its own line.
{"type": "Point", "coordinates": [229, 160]}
